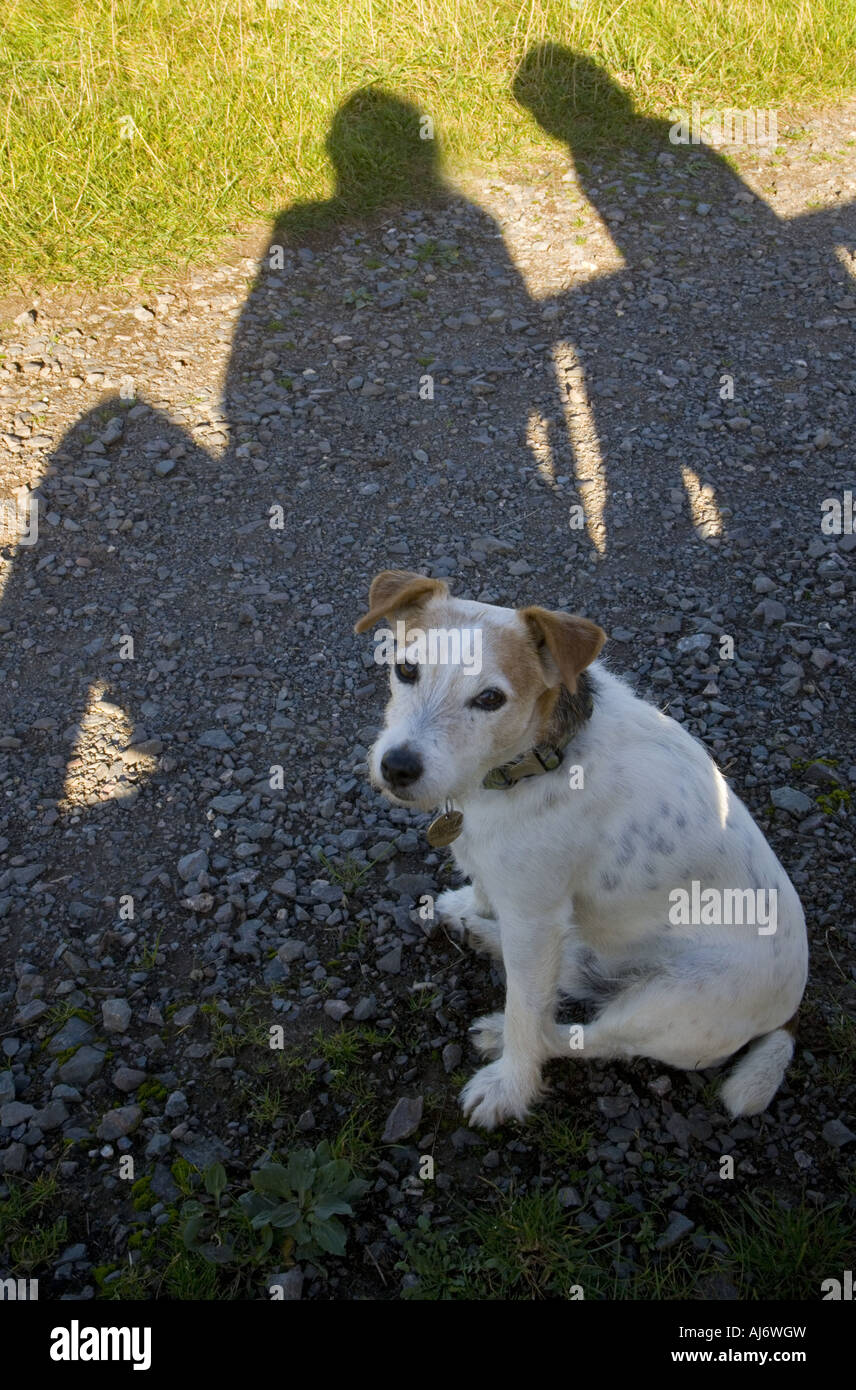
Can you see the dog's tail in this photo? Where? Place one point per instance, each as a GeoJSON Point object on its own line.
{"type": "Point", "coordinates": [758, 1076]}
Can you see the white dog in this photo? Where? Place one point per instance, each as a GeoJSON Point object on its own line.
{"type": "Point", "coordinates": [608, 857]}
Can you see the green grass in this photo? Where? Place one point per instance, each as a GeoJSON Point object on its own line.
{"type": "Point", "coordinates": [347, 873]}
{"type": "Point", "coordinates": [163, 1268]}
{"type": "Point", "coordinates": [787, 1252]}
{"type": "Point", "coordinates": [235, 110]}
{"type": "Point", "coordinates": [528, 1247]}
{"type": "Point", "coordinates": [562, 1137]}
{"type": "Point", "coordinates": [32, 1231]}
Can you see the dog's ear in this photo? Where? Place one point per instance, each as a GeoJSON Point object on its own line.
{"type": "Point", "coordinates": [566, 643]}
{"type": "Point", "coordinates": [392, 590]}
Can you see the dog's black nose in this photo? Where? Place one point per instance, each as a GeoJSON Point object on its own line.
{"type": "Point", "coordinates": [400, 767]}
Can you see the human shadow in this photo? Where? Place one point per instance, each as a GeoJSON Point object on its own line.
{"type": "Point", "coordinates": [387, 165]}
{"type": "Point", "coordinates": [675, 345]}
{"type": "Point", "coordinates": [166, 630]}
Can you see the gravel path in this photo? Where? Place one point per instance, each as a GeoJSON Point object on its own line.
{"type": "Point", "coordinates": [627, 390]}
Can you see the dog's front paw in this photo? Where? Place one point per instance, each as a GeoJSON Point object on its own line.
{"type": "Point", "coordinates": [488, 1034]}
{"type": "Point", "coordinates": [494, 1094]}
{"type": "Point", "coordinates": [454, 905]}
{"type": "Point", "coordinates": [458, 908]}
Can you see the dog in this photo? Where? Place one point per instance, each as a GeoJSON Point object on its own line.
{"type": "Point", "coordinates": [606, 853]}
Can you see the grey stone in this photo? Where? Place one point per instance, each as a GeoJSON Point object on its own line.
{"type": "Point", "coordinates": [789, 799]}
{"type": "Point", "coordinates": [836, 1133]}
{"type": "Point", "coordinates": [52, 1116]}
{"type": "Point", "coordinates": [115, 1015]}
{"type": "Point", "coordinates": [15, 1113]}
{"type": "Point", "coordinates": [128, 1078]}
{"type": "Point", "coordinates": [119, 1122]}
{"type": "Point", "coordinates": [678, 1227]}
{"type": "Point", "coordinates": [403, 1119]}
{"type": "Point", "coordinates": [390, 963]}
{"type": "Point", "coordinates": [217, 739]}
{"type": "Point", "coordinates": [176, 1105]}
{"type": "Point", "coordinates": [14, 1158]}
{"type": "Point", "coordinates": [190, 866]}
{"type": "Point", "coordinates": [82, 1067]}
{"type": "Point", "coordinates": [73, 1032]}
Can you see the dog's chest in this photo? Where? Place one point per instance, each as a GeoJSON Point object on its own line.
{"type": "Point", "coordinates": [521, 833]}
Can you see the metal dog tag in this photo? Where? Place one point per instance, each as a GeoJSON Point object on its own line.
{"type": "Point", "coordinates": [445, 828]}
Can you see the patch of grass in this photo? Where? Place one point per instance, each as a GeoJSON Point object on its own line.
{"type": "Point", "coordinates": [159, 1265]}
{"type": "Point", "coordinates": [148, 957]}
{"type": "Point", "coordinates": [523, 1248]}
{"type": "Point", "coordinates": [357, 1140]}
{"type": "Point", "coordinates": [841, 1033]}
{"type": "Point", "coordinates": [355, 938]}
{"type": "Point", "coordinates": [221, 1031]}
{"type": "Point", "coordinates": [350, 1047]}
{"type": "Point", "coordinates": [184, 1175]}
{"type": "Point", "coordinates": [529, 1247]}
{"type": "Point", "coordinates": [31, 1231]}
{"type": "Point", "coordinates": [60, 1014]}
{"type": "Point", "coordinates": [159, 129]}
{"type": "Point", "coordinates": [291, 1067]}
{"type": "Point", "coordinates": [560, 1136]}
{"type": "Point", "coordinates": [264, 1106]}
{"type": "Point", "coordinates": [422, 1000]}
{"type": "Point", "coordinates": [787, 1251]}
{"type": "Point", "coordinates": [347, 872]}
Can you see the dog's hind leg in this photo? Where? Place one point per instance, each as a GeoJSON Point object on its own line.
{"type": "Point", "coordinates": [663, 1019]}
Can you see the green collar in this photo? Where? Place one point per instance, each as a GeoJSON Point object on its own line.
{"type": "Point", "coordinates": [572, 711]}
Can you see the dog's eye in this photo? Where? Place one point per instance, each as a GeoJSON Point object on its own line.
{"type": "Point", "coordinates": [488, 699]}
{"type": "Point", "coordinates": [407, 671]}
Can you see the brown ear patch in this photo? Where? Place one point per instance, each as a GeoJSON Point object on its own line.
{"type": "Point", "coordinates": [573, 642]}
{"type": "Point", "coordinates": [392, 590]}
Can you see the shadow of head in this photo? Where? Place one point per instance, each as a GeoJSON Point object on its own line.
{"type": "Point", "coordinates": [382, 148]}
{"type": "Point", "coordinates": [571, 96]}
{"type": "Point", "coordinates": [384, 153]}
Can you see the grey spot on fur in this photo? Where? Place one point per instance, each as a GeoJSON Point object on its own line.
{"type": "Point", "coordinates": [626, 850]}
{"type": "Point", "coordinates": [609, 882]}
{"type": "Point", "coordinates": [662, 846]}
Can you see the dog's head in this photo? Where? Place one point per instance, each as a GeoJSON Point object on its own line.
{"type": "Point", "coordinates": [472, 685]}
